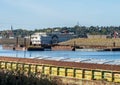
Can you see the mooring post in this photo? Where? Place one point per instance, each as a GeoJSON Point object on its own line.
{"type": "Point", "coordinates": [25, 42]}
{"type": "Point", "coordinates": [30, 43]}
{"type": "Point", "coordinates": [114, 44]}
{"type": "Point", "coordinates": [17, 42]}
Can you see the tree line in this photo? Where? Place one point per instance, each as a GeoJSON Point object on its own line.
{"type": "Point", "coordinates": [80, 31]}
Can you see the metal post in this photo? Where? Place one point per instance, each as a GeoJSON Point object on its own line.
{"type": "Point", "coordinates": [83, 73]}
{"type": "Point", "coordinates": [65, 72]}
{"type": "Point", "coordinates": [25, 42]}
{"type": "Point", "coordinates": [92, 75]}
{"type": "Point", "coordinates": [102, 75]}
{"type": "Point", "coordinates": [23, 66]}
{"type": "Point", "coordinates": [112, 74]}
{"type": "Point", "coordinates": [0, 64]}
{"type": "Point", "coordinates": [5, 65]}
{"type": "Point", "coordinates": [11, 65]}
{"type": "Point", "coordinates": [29, 71]}
{"type": "Point", "coordinates": [24, 53]}
{"type": "Point", "coordinates": [50, 68]}
{"type": "Point", "coordinates": [74, 72]}
{"type": "Point", "coordinates": [16, 66]}
{"type": "Point", "coordinates": [30, 41]}
{"type": "Point", "coordinates": [16, 53]}
{"type": "Point", "coordinates": [17, 41]}
{"type": "Point", "coordinates": [58, 71]}
{"type": "Point", "coordinates": [42, 68]}
{"type": "Point", "coordinates": [35, 69]}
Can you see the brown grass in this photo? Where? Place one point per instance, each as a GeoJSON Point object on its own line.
{"type": "Point", "coordinates": [93, 42]}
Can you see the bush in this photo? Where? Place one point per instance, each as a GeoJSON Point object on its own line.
{"type": "Point", "coordinates": [19, 78]}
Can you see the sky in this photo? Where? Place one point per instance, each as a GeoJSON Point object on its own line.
{"type": "Point", "coordinates": [39, 14]}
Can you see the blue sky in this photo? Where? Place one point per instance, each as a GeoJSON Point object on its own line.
{"type": "Point", "coordinates": [36, 14]}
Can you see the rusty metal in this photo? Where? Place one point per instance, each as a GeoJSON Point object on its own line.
{"type": "Point", "coordinates": [63, 63]}
{"type": "Point", "coordinates": [62, 47]}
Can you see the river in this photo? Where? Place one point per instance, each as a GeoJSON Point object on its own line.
{"type": "Point", "coordinates": [108, 55]}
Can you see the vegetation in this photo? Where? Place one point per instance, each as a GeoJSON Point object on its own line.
{"type": "Point", "coordinates": [93, 42]}
{"type": "Point", "coordinates": [21, 78]}
{"type": "Point", "coordinates": [81, 31]}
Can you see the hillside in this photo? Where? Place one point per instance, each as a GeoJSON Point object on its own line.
{"type": "Point", "coordinates": [93, 42]}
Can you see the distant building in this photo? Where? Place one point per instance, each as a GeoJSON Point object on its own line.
{"type": "Point", "coordinates": [50, 38]}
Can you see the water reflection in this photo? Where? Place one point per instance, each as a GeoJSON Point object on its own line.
{"type": "Point", "coordinates": [70, 54]}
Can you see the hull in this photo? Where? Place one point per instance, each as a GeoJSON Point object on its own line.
{"type": "Point", "coordinates": [60, 48]}
{"type": "Point", "coordinates": [89, 50]}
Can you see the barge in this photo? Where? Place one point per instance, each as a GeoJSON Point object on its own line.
{"type": "Point", "coordinates": [62, 47]}
{"type": "Point", "coordinates": [66, 69]}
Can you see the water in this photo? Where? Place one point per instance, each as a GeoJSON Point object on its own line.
{"type": "Point", "coordinates": [67, 54]}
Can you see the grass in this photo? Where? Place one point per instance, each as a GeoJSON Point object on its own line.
{"type": "Point", "coordinates": [93, 42]}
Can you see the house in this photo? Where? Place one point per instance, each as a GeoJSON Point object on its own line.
{"type": "Point", "coordinates": [50, 38]}
{"type": "Point", "coordinates": [38, 38]}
